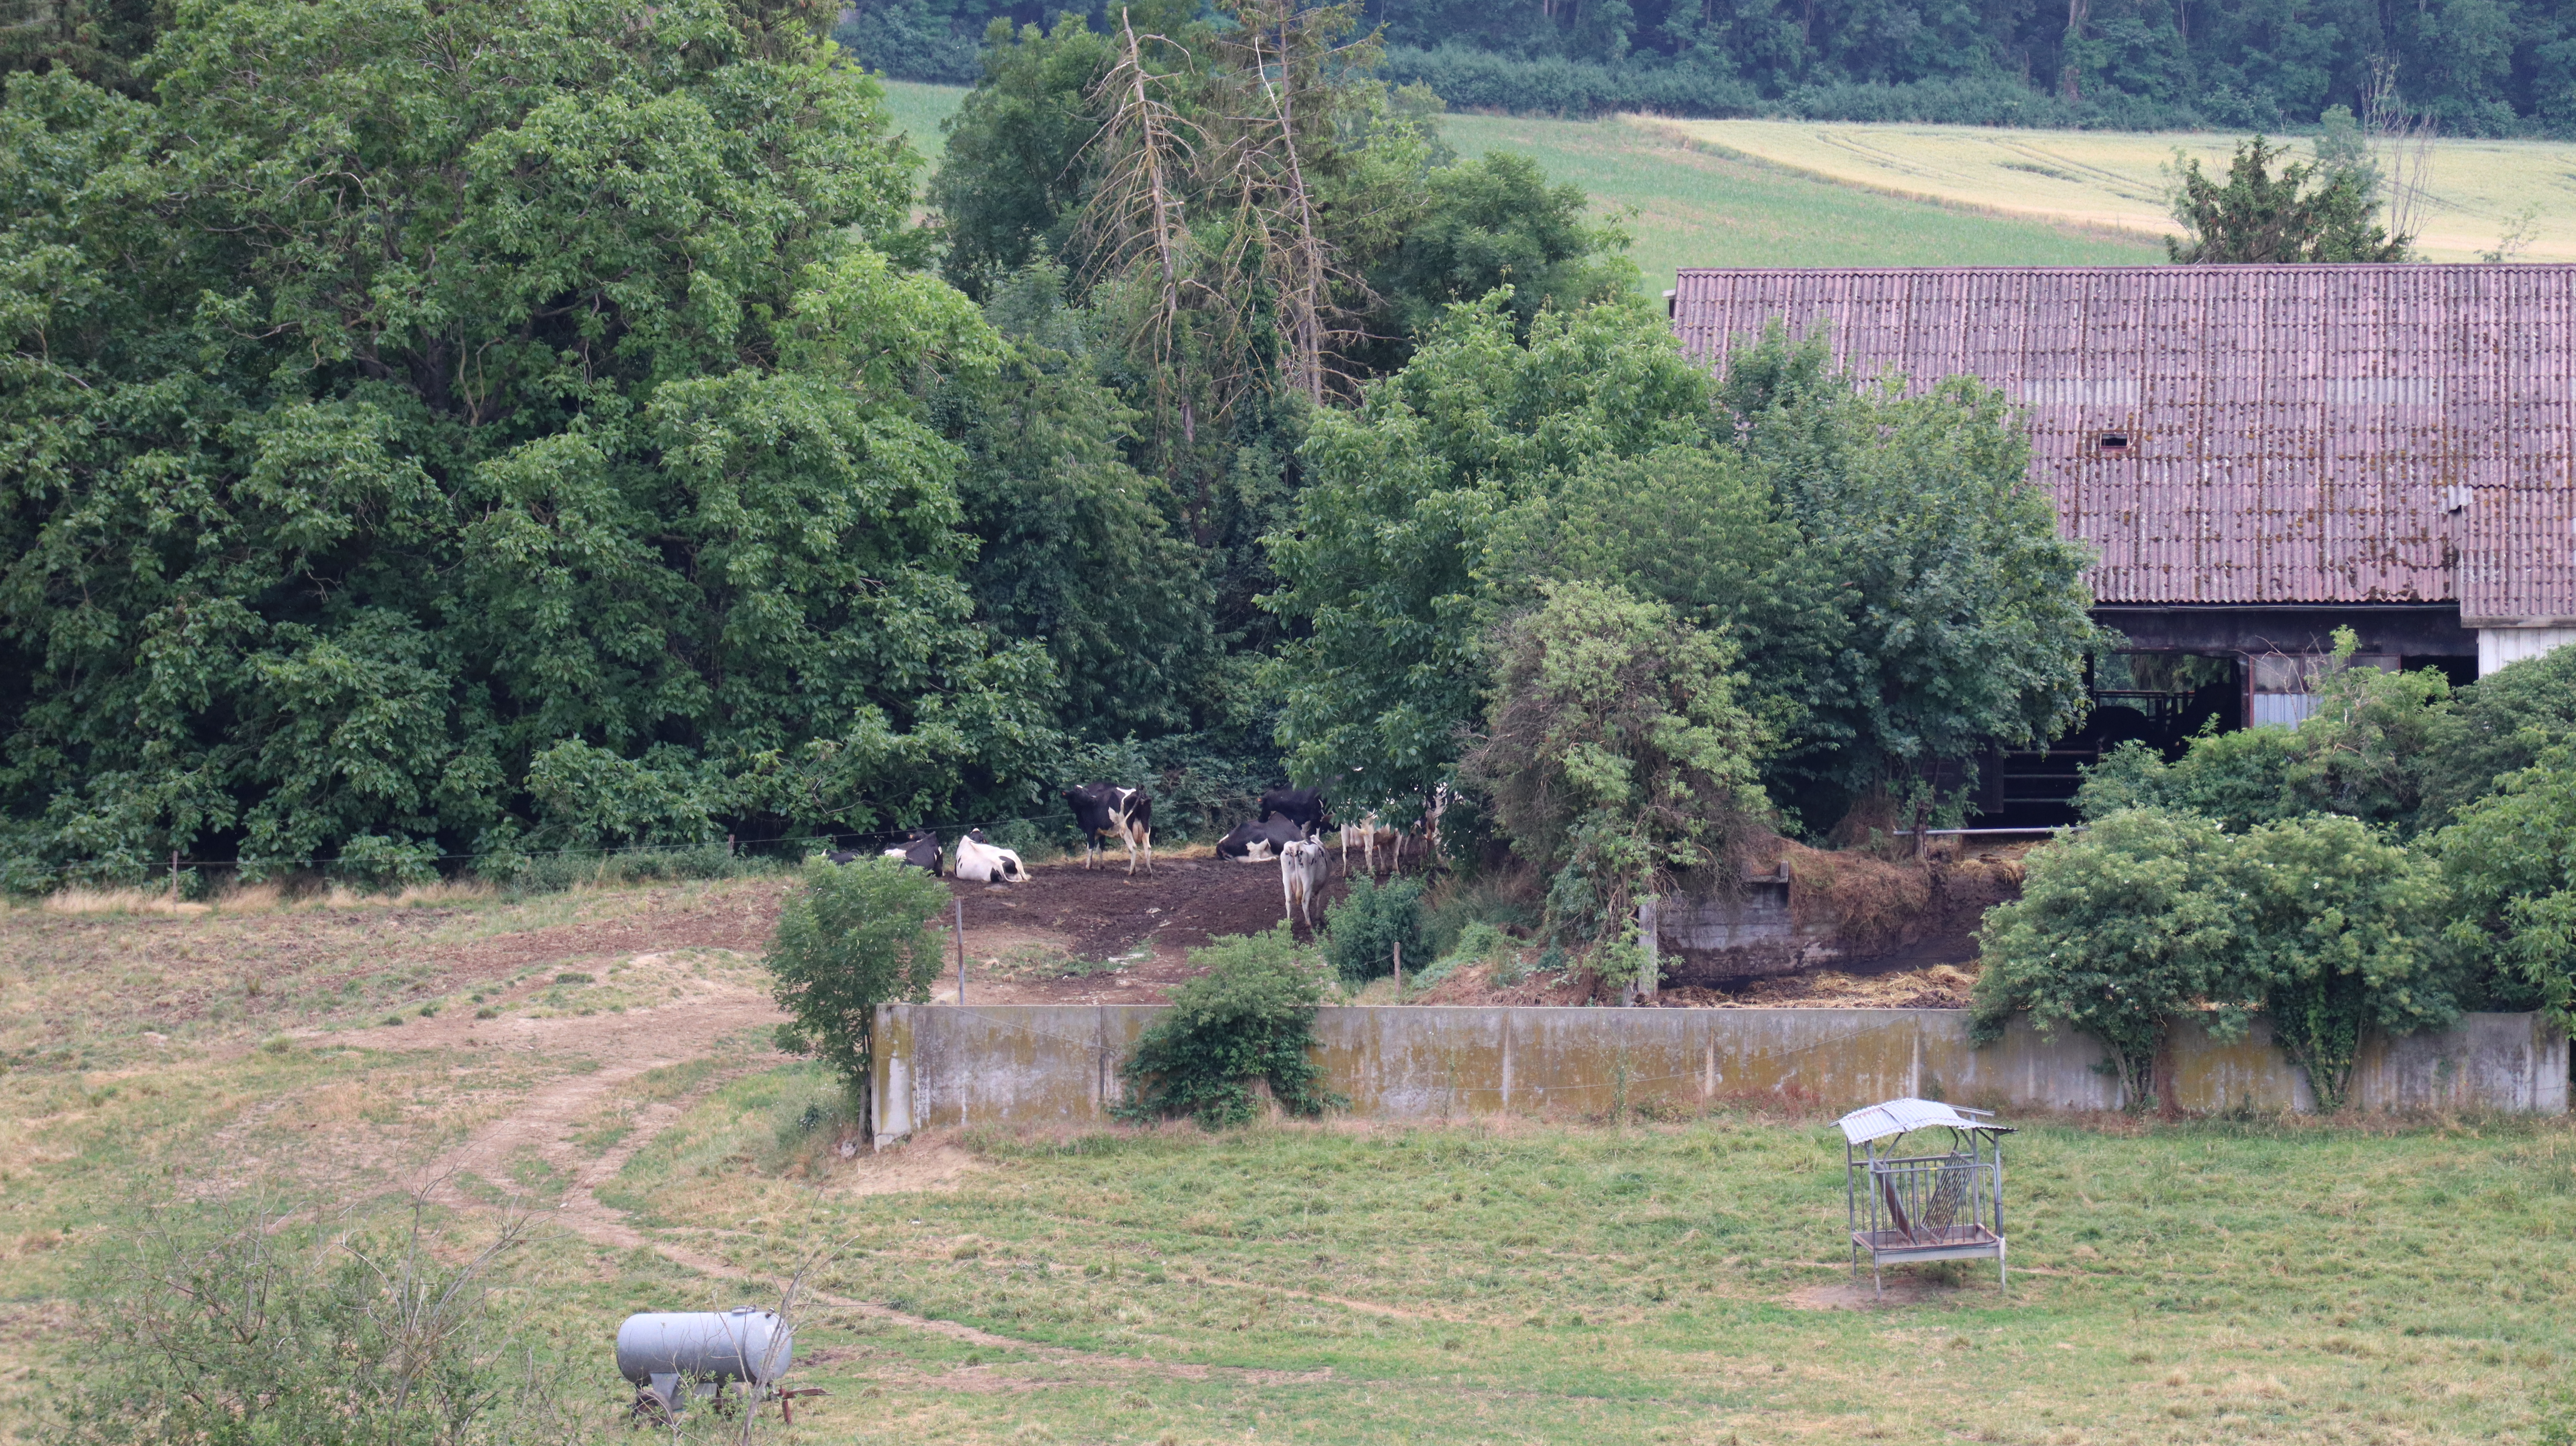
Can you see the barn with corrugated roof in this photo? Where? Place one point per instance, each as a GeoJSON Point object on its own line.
{"type": "Point", "coordinates": [2258, 454]}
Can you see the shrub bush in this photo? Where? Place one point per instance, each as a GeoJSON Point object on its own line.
{"type": "Point", "coordinates": [2362, 753]}
{"type": "Point", "coordinates": [263, 1321]}
{"type": "Point", "coordinates": [2498, 725]}
{"type": "Point", "coordinates": [2117, 929]}
{"type": "Point", "coordinates": [2319, 922]}
{"type": "Point", "coordinates": [2510, 863]}
{"type": "Point", "coordinates": [1362, 931]}
{"type": "Point", "coordinates": [855, 936]}
{"type": "Point", "coordinates": [1250, 1017]}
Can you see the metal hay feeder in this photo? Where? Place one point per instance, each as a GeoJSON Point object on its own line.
{"type": "Point", "coordinates": [1948, 1206]}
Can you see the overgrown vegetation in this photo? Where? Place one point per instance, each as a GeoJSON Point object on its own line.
{"type": "Point", "coordinates": [256, 1320]}
{"type": "Point", "coordinates": [1373, 921]}
{"type": "Point", "coordinates": [2402, 854]}
{"type": "Point", "coordinates": [855, 936]}
{"type": "Point", "coordinates": [1891, 586]}
{"type": "Point", "coordinates": [1617, 759]}
{"type": "Point", "coordinates": [1249, 1019]}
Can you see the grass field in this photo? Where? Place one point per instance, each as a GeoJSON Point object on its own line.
{"type": "Point", "coordinates": [918, 109]}
{"type": "Point", "coordinates": [1696, 207]}
{"type": "Point", "coordinates": [1565, 1280]}
{"type": "Point", "coordinates": [2476, 188]}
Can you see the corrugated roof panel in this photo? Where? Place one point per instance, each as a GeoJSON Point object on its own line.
{"type": "Point", "coordinates": [2297, 430]}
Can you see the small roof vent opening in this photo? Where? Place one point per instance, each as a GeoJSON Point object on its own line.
{"type": "Point", "coordinates": [2113, 444]}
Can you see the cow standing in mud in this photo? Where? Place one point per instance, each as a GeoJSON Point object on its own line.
{"type": "Point", "coordinates": [1105, 810]}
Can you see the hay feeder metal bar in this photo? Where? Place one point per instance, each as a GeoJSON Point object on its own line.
{"type": "Point", "coordinates": [1903, 1208]}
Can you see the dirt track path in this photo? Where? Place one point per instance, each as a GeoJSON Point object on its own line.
{"type": "Point", "coordinates": [630, 1045]}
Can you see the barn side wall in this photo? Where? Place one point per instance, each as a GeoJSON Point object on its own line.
{"type": "Point", "coordinates": [941, 1066]}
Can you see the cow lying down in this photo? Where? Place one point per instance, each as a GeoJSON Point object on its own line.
{"type": "Point", "coordinates": [981, 861]}
{"type": "Point", "coordinates": [1255, 842]}
{"type": "Point", "coordinates": [920, 848]}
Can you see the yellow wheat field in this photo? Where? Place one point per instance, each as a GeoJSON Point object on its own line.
{"type": "Point", "coordinates": [2476, 190]}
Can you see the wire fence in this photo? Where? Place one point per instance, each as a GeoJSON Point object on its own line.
{"type": "Point", "coordinates": [134, 867]}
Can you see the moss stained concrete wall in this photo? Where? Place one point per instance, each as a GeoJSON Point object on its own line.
{"type": "Point", "coordinates": [939, 1066]}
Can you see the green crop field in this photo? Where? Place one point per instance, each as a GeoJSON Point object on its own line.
{"type": "Point", "coordinates": [1695, 207]}
{"type": "Point", "coordinates": [2476, 190]}
{"type": "Point", "coordinates": [918, 109]}
{"type": "Point", "coordinates": [1688, 205]}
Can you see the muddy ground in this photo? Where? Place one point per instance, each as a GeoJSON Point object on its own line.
{"type": "Point", "coordinates": [1030, 943]}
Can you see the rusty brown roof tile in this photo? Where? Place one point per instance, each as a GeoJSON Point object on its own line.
{"type": "Point", "coordinates": [2311, 434]}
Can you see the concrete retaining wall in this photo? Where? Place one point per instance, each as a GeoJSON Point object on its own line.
{"type": "Point", "coordinates": [942, 1066]}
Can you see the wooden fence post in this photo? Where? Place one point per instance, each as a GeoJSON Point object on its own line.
{"type": "Point", "coordinates": [961, 953]}
{"type": "Point", "coordinates": [1648, 981]}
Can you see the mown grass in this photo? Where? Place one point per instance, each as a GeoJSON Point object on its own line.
{"type": "Point", "coordinates": [2205, 1281]}
{"type": "Point", "coordinates": [1507, 1281]}
{"type": "Point", "coordinates": [97, 990]}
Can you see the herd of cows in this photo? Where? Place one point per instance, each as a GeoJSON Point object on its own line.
{"type": "Point", "coordinates": [1288, 827]}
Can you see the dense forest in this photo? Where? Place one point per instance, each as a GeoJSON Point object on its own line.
{"type": "Point", "coordinates": [2474, 67]}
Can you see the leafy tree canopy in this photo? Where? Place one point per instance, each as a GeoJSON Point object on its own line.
{"type": "Point", "coordinates": [2257, 218]}
{"type": "Point", "coordinates": [1380, 565]}
{"type": "Point", "coordinates": [432, 427]}
{"type": "Point", "coordinates": [1894, 586]}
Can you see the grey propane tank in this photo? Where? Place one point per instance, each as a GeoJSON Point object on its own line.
{"type": "Point", "coordinates": [742, 1344]}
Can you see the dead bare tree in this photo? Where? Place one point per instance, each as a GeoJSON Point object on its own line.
{"type": "Point", "coordinates": [1148, 150]}
{"type": "Point", "coordinates": [1277, 97]}
{"type": "Point", "coordinates": [2401, 144]}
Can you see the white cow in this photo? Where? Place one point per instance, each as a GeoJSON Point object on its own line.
{"type": "Point", "coordinates": [983, 862]}
{"type": "Point", "coordinates": [1425, 834]}
{"type": "Point", "coordinates": [1366, 832]}
{"type": "Point", "coordinates": [1303, 867]}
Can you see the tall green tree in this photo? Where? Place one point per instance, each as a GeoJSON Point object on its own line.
{"type": "Point", "coordinates": [1967, 613]}
{"type": "Point", "coordinates": [410, 393]}
{"type": "Point", "coordinates": [1617, 758]}
{"type": "Point", "coordinates": [1379, 567]}
{"type": "Point", "coordinates": [2307, 212]}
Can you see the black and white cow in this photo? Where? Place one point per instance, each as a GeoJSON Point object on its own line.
{"type": "Point", "coordinates": [981, 861]}
{"type": "Point", "coordinates": [1254, 842]}
{"type": "Point", "coordinates": [920, 848]}
{"type": "Point", "coordinates": [1104, 810]}
{"type": "Point", "coordinates": [1303, 807]}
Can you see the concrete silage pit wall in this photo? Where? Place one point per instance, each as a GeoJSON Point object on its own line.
{"type": "Point", "coordinates": [939, 1066]}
